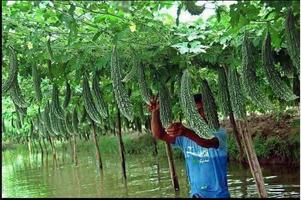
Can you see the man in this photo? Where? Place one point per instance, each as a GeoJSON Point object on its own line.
{"type": "Point", "coordinates": [206, 159]}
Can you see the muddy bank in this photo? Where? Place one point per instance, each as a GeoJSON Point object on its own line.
{"type": "Point", "coordinates": [276, 138]}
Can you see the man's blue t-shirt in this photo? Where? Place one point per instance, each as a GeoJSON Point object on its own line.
{"type": "Point", "coordinates": [206, 167]}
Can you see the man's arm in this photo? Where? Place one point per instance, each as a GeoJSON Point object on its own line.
{"type": "Point", "coordinates": [207, 143]}
{"type": "Point", "coordinates": [179, 129]}
{"type": "Point", "coordinates": [157, 128]}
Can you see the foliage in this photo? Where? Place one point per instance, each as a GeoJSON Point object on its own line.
{"type": "Point", "coordinates": [65, 39]}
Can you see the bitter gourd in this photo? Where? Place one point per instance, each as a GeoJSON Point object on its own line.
{"type": "Point", "coordinates": [189, 109]}
{"type": "Point", "coordinates": [249, 79]}
{"type": "Point", "coordinates": [236, 96]}
{"type": "Point", "coordinates": [13, 70]}
{"type": "Point", "coordinates": [97, 96]}
{"type": "Point", "coordinates": [121, 95]}
{"type": "Point", "coordinates": [278, 86]}
{"type": "Point", "coordinates": [292, 39]}
{"type": "Point", "coordinates": [210, 107]}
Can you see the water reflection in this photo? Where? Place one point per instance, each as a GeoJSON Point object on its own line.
{"type": "Point", "coordinates": [43, 175]}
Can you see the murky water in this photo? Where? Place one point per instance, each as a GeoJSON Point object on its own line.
{"type": "Point", "coordinates": [147, 176]}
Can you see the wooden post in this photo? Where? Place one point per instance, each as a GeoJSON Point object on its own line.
{"type": "Point", "coordinates": [237, 137]}
{"type": "Point", "coordinates": [71, 147]}
{"type": "Point", "coordinates": [252, 158]}
{"type": "Point", "coordinates": [121, 146]}
{"type": "Point", "coordinates": [29, 145]}
{"type": "Point", "coordinates": [52, 147]}
{"type": "Point", "coordinates": [45, 146]}
{"type": "Point", "coordinates": [148, 128]}
{"type": "Point", "coordinates": [173, 174]}
{"type": "Point", "coordinates": [41, 148]}
{"type": "Point", "coordinates": [98, 157]}
{"type": "Point", "coordinates": [74, 150]}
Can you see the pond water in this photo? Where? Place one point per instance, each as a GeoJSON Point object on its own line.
{"type": "Point", "coordinates": [25, 175]}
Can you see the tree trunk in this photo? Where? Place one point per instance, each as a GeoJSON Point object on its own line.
{"type": "Point", "coordinates": [121, 146]}
{"type": "Point", "coordinates": [252, 159]}
{"type": "Point", "coordinates": [237, 137]}
{"type": "Point", "coordinates": [173, 174]}
{"type": "Point", "coordinates": [98, 157]}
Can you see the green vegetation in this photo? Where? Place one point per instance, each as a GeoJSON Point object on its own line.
{"type": "Point", "coordinates": [103, 60]}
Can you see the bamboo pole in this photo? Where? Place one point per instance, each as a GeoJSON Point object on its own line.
{"type": "Point", "coordinates": [74, 150]}
{"type": "Point", "coordinates": [71, 148]}
{"type": "Point", "coordinates": [45, 146]}
{"type": "Point", "coordinates": [53, 148]}
{"type": "Point", "coordinates": [252, 159]}
{"type": "Point", "coordinates": [237, 137]}
{"type": "Point", "coordinates": [172, 171]}
{"type": "Point", "coordinates": [29, 145]}
{"type": "Point", "coordinates": [98, 156]}
{"type": "Point", "coordinates": [121, 146]}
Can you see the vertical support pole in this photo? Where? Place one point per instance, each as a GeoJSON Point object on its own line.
{"type": "Point", "coordinates": [252, 158]}
{"type": "Point", "coordinates": [121, 146]}
{"type": "Point", "coordinates": [98, 157]}
{"type": "Point", "coordinates": [173, 174]}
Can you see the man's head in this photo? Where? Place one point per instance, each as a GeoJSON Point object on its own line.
{"type": "Point", "coordinates": [199, 104]}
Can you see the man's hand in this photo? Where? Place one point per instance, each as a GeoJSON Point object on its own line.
{"type": "Point", "coordinates": [176, 129]}
{"type": "Point", "coordinates": [154, 104]}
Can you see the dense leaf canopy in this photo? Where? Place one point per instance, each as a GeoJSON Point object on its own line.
{"type": "Point", "coordinates": [65, 39]}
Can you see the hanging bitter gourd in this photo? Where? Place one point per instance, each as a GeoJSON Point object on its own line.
{"type": "Point", "coordinates": [62, 127]}
{"type": "Point", "coordinates": [54, 121]}
{"type": "Point", "coordinates": [132, 74]}
{"type": "Point", "coordinates": [13, 70]}
{"type": "Point", "coordinates": [16, 94]}
{"type": "Point", "coordinates": [144, 90]}
{"type": "Point", "coordinates": [121, 95]}
{"type": "Point", "coordinates": [236, 96]}
{"type": "Point", "coordinates": [249, 79]}
{"type": "Point", "coordinates": [223, 92]}
{"type": "Point", "coordinates": [188, 106]}
{"type": "Point", "coordinates": [278, 86]}
{"type": "Point", "coordinates": [40, 124]}
{"type": "Point", "coordinates": [57, 109]}
{"type": "Point", "coordinates": [83, 116]}
{"type": "Point", "coordinates": [46, 119]}
{"type": "Point", "coordinates": [97, 96]}
{"type": "Point", "coordinates": [68, 123]}
{"type": "Point", "coordinates": [18, 124]}
{"type": "Point", "coordinates": [88, 102]}
{"type": "Point", "coordinates": [210, 107]}
{"type": "Point", "coordinates": [292, 39]}
{"type": "Point", "coordinates": [68, 95]}
{"type": "Point", "coordinates": [21, 112]}
{"type": "Point", "coordinates": [165, 106]}
{"type": "Point", "coordinates": [75, 121]}
{"type": "Point", "coordinates": [37, 82]}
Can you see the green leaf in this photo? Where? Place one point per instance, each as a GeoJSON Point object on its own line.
{"type": "Point", "coordinates": [234, 18]}
{"type": "Point", "coordinates": [96, 36]}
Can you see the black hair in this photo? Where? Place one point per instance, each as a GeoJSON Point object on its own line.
{"type": "Point", "coordinates": [198, 98]}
